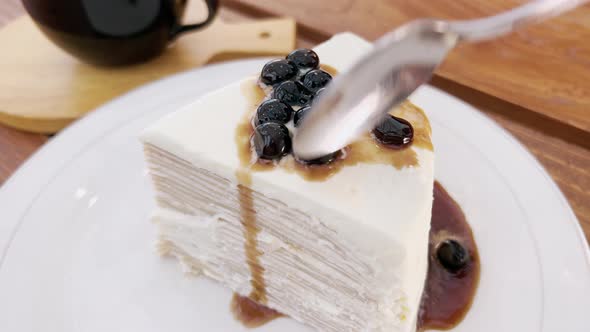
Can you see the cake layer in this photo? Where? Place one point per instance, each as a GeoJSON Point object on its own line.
{"type": "Point", "coordinates": [345, 254]}
{"type": "Point", "coordinates": [309, 272]}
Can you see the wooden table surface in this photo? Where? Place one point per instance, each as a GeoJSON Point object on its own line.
{"type": "Point", "coordinates": [563, 150]}
{"type": "Point", "coordinates": [555, 84]}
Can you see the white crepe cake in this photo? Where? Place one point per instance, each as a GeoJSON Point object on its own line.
{"type": "Point", "coordinates": [338, 243]}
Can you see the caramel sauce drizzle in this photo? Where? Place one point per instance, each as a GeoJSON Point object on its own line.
{"type": "Point", "coordinates": [250, 313]}
{"type": "Point", "coordinates": [447, 297]}
{"type": "Point", "coordinates": [365, 150]}
{"type": "Point", "coordinates": [248, 213]}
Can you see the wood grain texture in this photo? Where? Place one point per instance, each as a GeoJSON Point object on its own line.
{"type": "Point", "coordinates": [15, 146]}
{"type": "Point", "coordinates": [77, 88]}
{"type": "Point", "coordinates": [545, 68]}
{"type": "Point", "coordinates": [562, 150]}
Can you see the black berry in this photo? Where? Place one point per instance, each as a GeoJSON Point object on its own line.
{"type": "Point", "coordinates": [291, 93]}
{"type": "Point", "coordinates": [304, 59]}
{"type": "Point", "coordinates": [273, 110]}
{"type": "Point", "coordinates": [300, 114]}
{"type": "Point", "coordinates": [452, 255]}
{"type": "Point", "coordinates": [277, 71]}
{"type": "Point", "coordinates": [271, 141]}
{"type": "Point", "coordinates": [394, 132]}
{"type": "Point", "coordinates": [316, 79]}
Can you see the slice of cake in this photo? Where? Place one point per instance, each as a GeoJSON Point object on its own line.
{"type": "Point", "coordinates": [338, 243]}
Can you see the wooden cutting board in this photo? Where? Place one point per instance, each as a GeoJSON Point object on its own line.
{"type": "Point", "coordinates": [544, 68]}
{"type": "Point", "coordinates": [42, 89]}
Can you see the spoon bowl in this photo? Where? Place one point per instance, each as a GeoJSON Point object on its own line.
{"type": "Point", "coordinates": [356, 101]}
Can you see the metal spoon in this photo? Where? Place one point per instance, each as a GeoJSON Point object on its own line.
{"type": "Point", "coordinates": [402, 60]}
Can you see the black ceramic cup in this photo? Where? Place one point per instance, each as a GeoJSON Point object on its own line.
{"type": "Point", "coordinates": [113, 32]}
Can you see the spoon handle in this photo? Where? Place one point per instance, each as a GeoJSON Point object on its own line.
{"type": "Point", "coordinates": [506, 22]}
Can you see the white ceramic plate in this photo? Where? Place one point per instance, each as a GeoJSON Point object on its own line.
{"type": "Point", "coordinates": [76, 250]}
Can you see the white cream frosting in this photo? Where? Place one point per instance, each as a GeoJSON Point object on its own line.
{"type": "Point", "coordinates": [382, 214]}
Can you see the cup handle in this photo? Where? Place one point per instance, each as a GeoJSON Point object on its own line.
{"type": "Point", "coordinates": [212, 6]}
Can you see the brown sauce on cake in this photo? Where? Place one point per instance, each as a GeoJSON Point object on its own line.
{"type": "Point", "coordinates": [248, 215]}
{"type": "Point", "coordinates": [365, 150]}
{"type": "Point", "coordinates": [251, 230]}
{"type": "Point", "coordinates": [447, 296]}
{"type": "Point", "coordinates": [250, 313]}
{"type": "Point", "coordinates": [329, 69]}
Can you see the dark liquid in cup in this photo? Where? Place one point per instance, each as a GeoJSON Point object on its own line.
{"type": "Point", "coordinates": [108, 32]}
